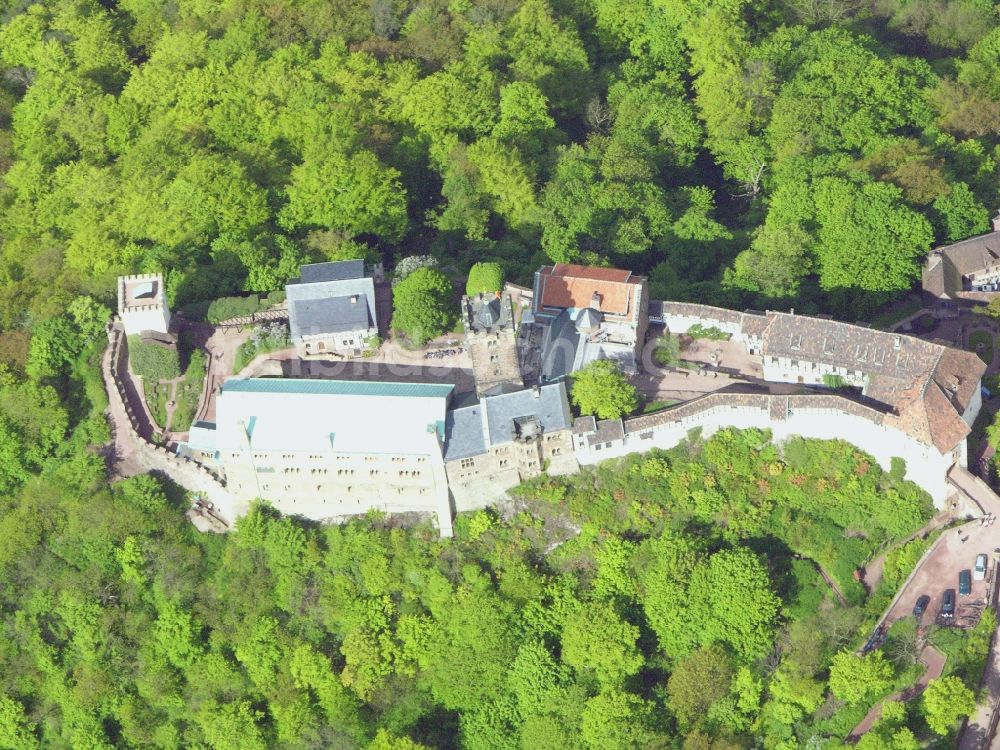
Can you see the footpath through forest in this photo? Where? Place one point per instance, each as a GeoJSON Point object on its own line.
{"type": "Point", "coordinates": [934, 661]}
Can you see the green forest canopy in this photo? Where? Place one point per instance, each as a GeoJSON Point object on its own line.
{"type": "Point", "coordinates": [738, 152]}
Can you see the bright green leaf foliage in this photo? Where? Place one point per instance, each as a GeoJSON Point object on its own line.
{"type": "Point", "coordinates": [422, 305]}
{"type": "Point", "coordinates": [602, 389]}
{"type": "Point", "coordinates": [856, 678]}
{"type": "Point", "coordinates": [736, 152]}
{"type": "Point", "coordinates": [152, 362]}
{"type": "Point", "coordinates": [867, 238]}
{"type": "Point", "coordinates": [945, 701]}
{"type": "Point", "coordinates": [484, 278]}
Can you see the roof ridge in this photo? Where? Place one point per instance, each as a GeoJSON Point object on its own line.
{"type": "Point", "coordinates": [978, 237]}
{"type": "Point", "coordinates": [932, 370]}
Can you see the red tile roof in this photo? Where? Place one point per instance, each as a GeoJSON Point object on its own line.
{"type": "Point", "coordinates": [571, 286]}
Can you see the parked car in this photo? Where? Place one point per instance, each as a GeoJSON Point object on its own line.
{"type": "Point", "coordinates": [979, 572]}
{"type": "Point", "coordinates": [921, 606]}
{"type": "Point", "coordinates": [948, 603]}
{"type": "Point", "coordinates": [964, 583]}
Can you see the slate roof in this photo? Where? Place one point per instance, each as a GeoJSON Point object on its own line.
{"type": "Point", "coordinates": [571, 286]}
{"type": "Point", "coordinates": [487, 312]}
{"type": "Point", "coordinates": [548, 403]}
{"type": "Point", "coordinates": [332, 271]}
{"type": "Point", "coordinates": [559, 348]}
{"type": "Point", "coordinates": [463, 433]}
{"type": "Point", "coordinates": [320, 300]}
{"type": "Point", "coordinates": [330, 315]}
{"type": "Point", "coordinates": [495, 420]}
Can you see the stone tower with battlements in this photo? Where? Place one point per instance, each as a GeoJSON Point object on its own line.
{"type": "Point", "coordinates": [142, 304]}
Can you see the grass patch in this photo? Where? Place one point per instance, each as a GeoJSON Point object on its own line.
{"type": "Point", "coordinates": [264, 339]}
{"type": "Point", "coordinates": [895, 312]}
{"type": "Point", "coordinates": [698, 331]}
{"type": "Point", "coordinates": [654, 406]}
{"type": "Point", "coordinates": [668, 351]}
{"type": "Point", "coordinates": [153, 362]}
{"type": "Point", "coordinates": [981, 342]}
{"type": "Point", "coordinates": [189, 392]}
{"type": "Point", "coordinates": [156, 399]}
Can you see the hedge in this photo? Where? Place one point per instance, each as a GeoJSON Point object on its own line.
{"type": "Point", "coordinates": [225, 308]}
{"type": "Point", "coordinates": [153, 362]}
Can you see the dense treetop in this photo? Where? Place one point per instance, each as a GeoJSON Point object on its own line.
{"type": "Point", "coordinates": [739, 152]}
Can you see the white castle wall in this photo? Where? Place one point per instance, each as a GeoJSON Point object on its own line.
{"type": "Point", "coordinates": [924, 465]}
{"type": "Point", "coordinates": [682, 323]}
{"type": "Point", "coordinates": [146, 318]}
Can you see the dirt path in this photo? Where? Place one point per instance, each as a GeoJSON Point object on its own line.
{"type": "Point", "coordinates": [934, 661]}
{"type": "Point", "coordinates": [171, 403]}
{"type": "Point", "coordinates": [830, 582]}
{"type": "Point", "coordinates": [873, 570]}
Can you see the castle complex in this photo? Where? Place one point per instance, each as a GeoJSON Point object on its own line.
{"type": "Point", "coordinates": [327, 449]}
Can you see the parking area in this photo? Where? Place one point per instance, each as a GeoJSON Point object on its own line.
{"type": "Point", "coordinates": [955, 551]}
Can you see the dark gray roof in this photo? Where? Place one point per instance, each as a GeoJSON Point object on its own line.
{"type": "Point", "coordinates": [323, 304]}
{"type": "Point", "coordinates": [548, 403]}
{"type": "Point", "coordinates": [947, 267]}
{"type": "Point", "coordinates": [488, 314]}
{"type": "Point", "coordinates": [333, 271]}
{"type": "Point", "coordinates": [588, 319]}
{"type": "Point", "coordinates": [463, 433]}
{"type": "Point", "coordinates": [329, 315]}
{"type": "Point", "coordinates": [559, 347]}
{"type": "Point", "coordinates": [506, 414]}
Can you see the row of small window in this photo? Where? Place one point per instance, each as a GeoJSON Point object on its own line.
{"type": "Point", "coordinates": [348, 488]}
{"type": "Point", "coordinates": [368, 459]}
{"type": "Point", "coordinates": [408, 473]}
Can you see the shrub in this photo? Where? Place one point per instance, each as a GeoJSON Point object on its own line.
{"type": "Point", "coordinates": [484, 278]}
{"type": "Point", "coordinates": [152, 362]}
{"type": "Point", "coordinates": [225, 308]}
{"type": "Point", "coordinates": [422, 306]}
{"type": "Point", "coordinates": [901, 560]}
{"type": "Point", "coordinates": [668, 351]}
{"type": "Point", "coordinates": [925, 323]}
{"type": "Point", "coordinates": [263, 339]}
{"type": "Point", "coordinates": [831, 380]}
{"type": "Point", "coordinates": [698, 331]}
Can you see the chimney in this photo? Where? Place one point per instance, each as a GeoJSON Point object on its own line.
{"type": "Point", "coordinates": [536, 391]}
{"type": "Point", "coordinates": [896, 342]}
{"type": "Point", "coordinates": [996, 222]}
{"type": "Point", "coordinates": [595, 300]}
{"type": "Point", "coordinates": [354, 299]}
